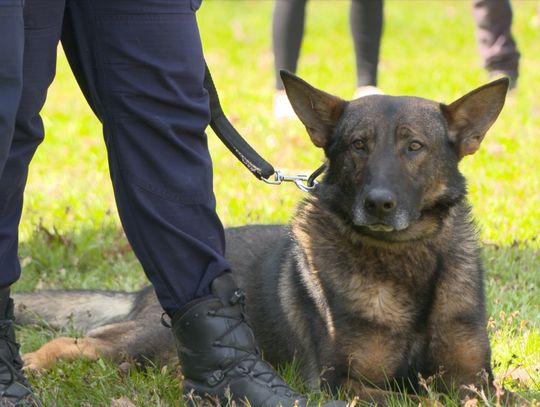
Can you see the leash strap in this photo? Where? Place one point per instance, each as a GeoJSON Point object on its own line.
{"type": "Point", "coordinates": [258, 166]}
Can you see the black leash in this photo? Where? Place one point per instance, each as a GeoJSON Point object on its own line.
{"type": "Point", "coordinates": [258, 166]}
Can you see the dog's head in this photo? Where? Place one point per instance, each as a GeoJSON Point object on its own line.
{"type": "Point", "coordinates": [393, 161]}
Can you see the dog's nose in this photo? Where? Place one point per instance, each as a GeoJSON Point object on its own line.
{"type": "Point", "coordinates": [380, 202]}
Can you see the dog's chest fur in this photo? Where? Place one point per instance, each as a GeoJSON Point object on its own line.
{"type": "Point", "coordinates": [382, 286]}
{"type": "Point", "coordinates": [366, 296]}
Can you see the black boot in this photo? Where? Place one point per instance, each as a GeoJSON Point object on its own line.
{"type": "Point", "coordinates": [219, 357]}
{"type": "Point", "coordinates": [14, 389]}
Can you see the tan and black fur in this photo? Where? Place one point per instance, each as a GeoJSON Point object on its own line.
{"type": "Point", "coordinates": [377, 279]}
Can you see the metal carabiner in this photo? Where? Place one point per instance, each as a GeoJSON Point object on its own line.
{"type": "Point", "coordinates": [302, 181]}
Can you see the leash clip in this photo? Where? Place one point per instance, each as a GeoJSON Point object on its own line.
{"type": "Point", "coordinates": [304, 182]}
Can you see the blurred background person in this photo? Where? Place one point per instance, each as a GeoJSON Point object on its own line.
{"type": "Point", "coordinates": [498, 49]}
{"type": "Point", "coordinates": [366, 21]}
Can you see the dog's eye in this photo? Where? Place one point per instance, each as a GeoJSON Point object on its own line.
{"type": "Point", "coordinates": [415, 146]}
{"type": "Point", "coordinates": [359, 145]}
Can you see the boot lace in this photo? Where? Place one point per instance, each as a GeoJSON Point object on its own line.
{"type": "Point", "coordinates": [251, 359]}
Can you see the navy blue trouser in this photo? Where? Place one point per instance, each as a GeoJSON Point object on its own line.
{"type": "Point", "coordinates": [11, 58]}
{"type": "Point", "coordinates": [141, 68]}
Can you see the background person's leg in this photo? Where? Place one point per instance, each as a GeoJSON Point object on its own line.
{"type": "Point", "coordinates": [366, 22]}
{"type": "Point", "coordinates": [287, 33]}
{"type": "Point", "coordinates": [496, 44]}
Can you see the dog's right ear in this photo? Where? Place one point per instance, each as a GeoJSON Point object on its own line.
{"type": "Point", "coordinates": [318, 110]}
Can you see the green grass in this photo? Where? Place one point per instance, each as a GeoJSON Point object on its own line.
{"type": "Point", "coordinates": [70, 232]}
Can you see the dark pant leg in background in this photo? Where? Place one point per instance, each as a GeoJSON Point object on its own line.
{"type": "Point", "coordinates": [494, 37]}
{"type": "Point", "coordinates": [366, 21]}
{"type": "Point", "coordinates": [141, 67]}
{"type": "Point", "coordinates": [11, 62]}
{"type": "Point", "coordinates": [43, 22]}
{"type": "Point", "coordinates": [287, 33]}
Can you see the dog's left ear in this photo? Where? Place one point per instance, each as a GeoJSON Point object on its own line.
{"type": "Point", "coordinates": [470, 117]}
{"type": "Point", "coordinates": [318, 110]}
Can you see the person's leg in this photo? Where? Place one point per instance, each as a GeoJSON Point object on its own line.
{"type": "Point", "coordinates": [287, 33]}
{"type": "Point", "coordinates": [366, 21]}
{"type": "Point", "coordinates": [43, 21]}
{"type": "Point", "coordinates": [11, 72]}
{"type": "Point", "coordinates": [11, 62]}
{"type": "Point", "coordinates": [42, 25]}
{"type": "Point", "coordinates": [141, 67]}
{"type": "Point", "coordinates": [497, 47]}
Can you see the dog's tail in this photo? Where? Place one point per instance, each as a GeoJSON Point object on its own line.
{"type": "Point", "coordinates": [81, 310]}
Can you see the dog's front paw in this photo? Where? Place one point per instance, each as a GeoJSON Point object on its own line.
{"type": "Point", "coordinates": [36, 361]}
{"type": "Point", "coordinates": [60, 348]}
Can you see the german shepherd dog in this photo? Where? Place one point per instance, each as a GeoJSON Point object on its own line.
{"type": "Point", "coordinates": [377, 279]}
